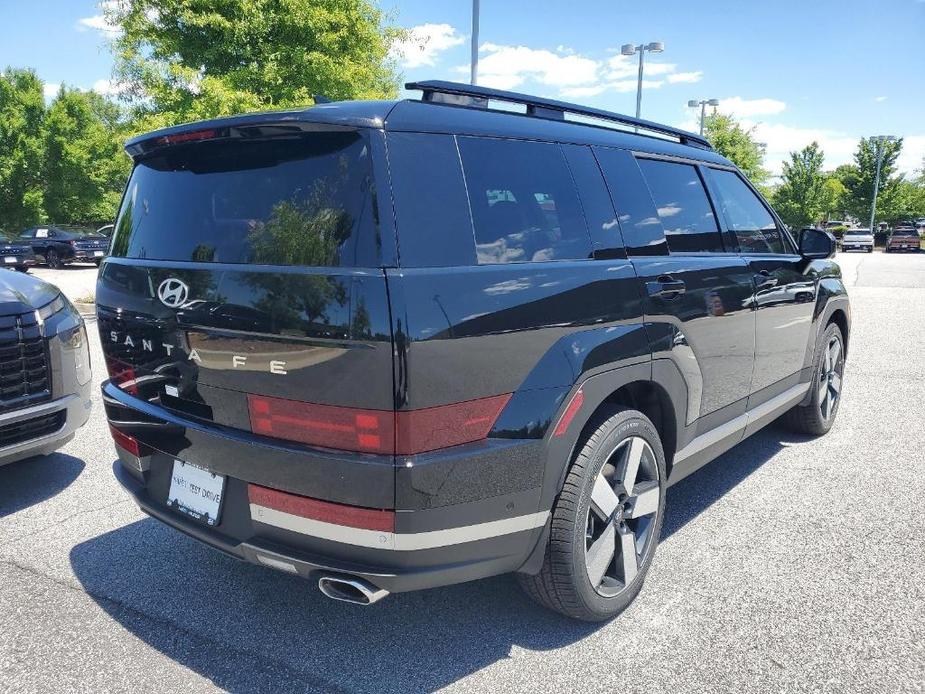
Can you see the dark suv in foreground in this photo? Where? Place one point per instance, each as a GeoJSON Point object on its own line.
{"type": "Point", "coordinates": [397, 345]}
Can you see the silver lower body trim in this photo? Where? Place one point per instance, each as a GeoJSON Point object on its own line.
{"type": "Point", "coordinates": [778, 404]}
{"type": "Point", "coordinates": [400, 542]}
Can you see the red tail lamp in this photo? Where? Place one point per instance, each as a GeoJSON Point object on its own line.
{"type": "Point", "coordinates": [325, 511]}
{"type": "Point", "coordinates": [375, 431]}
{"type": "Point", "coordinates": [122, 375]}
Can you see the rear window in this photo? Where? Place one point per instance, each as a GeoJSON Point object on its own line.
{"type": "Point", "coordinates": [301, 201]}
{"type": "Point", "coordinates": [905, 232]}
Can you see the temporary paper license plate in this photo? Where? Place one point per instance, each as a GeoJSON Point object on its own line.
{"type": "Point", "coordinates": [196, 492]}
{"type": "Point", "coordinates": [97, 254]}
{"type": "Point", "coordinates": [9, 259]}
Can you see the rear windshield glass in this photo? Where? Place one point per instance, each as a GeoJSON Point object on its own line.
{"type": "Point", "coordinates": [905, 232]}
{"type": "Point", "coordinates": [300, 201]}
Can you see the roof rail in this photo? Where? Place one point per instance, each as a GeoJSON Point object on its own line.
{"type": "Point", "coordinates": [473, 95]}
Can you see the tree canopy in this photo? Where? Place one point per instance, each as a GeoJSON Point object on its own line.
{"type": "Point", "coordinates": [734, 142]}
{"type": "Point", "coordinates": [22, 116]}
{"type": "Point", "coordinates": [806, 194]}
{"type": "Point", "coordinates": [181, 60]}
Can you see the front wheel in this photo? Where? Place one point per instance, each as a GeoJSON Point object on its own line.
{"type": "Point", "coordinates": [53, 260]}
{"type": "Point", "coordinates": [817, 417]}
{"type": "Point", "coordinates": [606, 522]}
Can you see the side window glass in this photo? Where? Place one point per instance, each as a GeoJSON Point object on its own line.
{"type": "Point", "coordinates": [431, 210]}
{"type": "Point", "coordinates": [745, 214]}
{"type": "Point", "coordinates": [683, 207]}
{"type": "Point", "coordinates": [524, 205]}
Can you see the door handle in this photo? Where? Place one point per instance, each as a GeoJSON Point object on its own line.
{"type": "Point", "coordinates": [666, 287]}
{"type": "Point", "coordinates": [764, 280]}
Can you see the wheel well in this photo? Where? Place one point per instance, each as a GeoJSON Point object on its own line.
{"type": "Point", "coordinates": [653, 401]}
{"type": "Point", "coordinates": [841, 320]}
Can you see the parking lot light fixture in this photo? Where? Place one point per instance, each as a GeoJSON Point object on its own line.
{"type": "Point", "coordinates": [703, 103]}
{"type": "Point", "coordinates": [880, 140]}
{"type": "Point", "coordinates": [631, 49]}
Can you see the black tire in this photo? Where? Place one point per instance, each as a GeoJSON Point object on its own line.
{"type": "Point", "coordinates": [564, 583]}
{"type": "Point", "coordinates": [53, 260]}
{"type": "Point", "coordinates": [22, 268]}
{"type": "Point", "coordinates": [817, 417]}
{"type": "Point", "coordinates": [870, 250]}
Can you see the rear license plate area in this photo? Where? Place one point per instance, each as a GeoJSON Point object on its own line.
{"type": "Point", "coordinates": [195, 492]}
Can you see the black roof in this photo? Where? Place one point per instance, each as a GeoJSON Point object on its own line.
{"type": "Point", "coordinates": [412, 115]}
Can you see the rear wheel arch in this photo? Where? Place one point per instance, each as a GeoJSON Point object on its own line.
{"type": "Point", "coordinates": [840, 318]}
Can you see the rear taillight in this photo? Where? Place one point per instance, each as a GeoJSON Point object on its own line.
{"type": "Point", "coordinates": [375, 431]}
{"type": "Point", "coordinates": [324, 511]}
{"type": "Point", "coordinates": [122, 375]}
{"type": "Point", "coordinates": [369, 431]}
{"type": "Point", "coordinates": [195, 136]}
{"type": "Point", "coordinates": [125, 441]}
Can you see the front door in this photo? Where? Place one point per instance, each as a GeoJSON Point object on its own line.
{"type": "Point", "coordinates": [698, 297]}
{"type": "Point", "coordinates": [785, 296]}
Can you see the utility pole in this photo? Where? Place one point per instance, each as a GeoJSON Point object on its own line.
{"type": "Point", "coordinates": [474, 78]}
{"type": "Point", "coordinates": [631, 49]}
{"type": "Point", "coordinates": [881, 140]}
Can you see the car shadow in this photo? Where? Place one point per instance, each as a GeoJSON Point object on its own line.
{"type": "Point", "coordinates": [249, 628]}
{"type": "Point", "coordinates": [33, 480]}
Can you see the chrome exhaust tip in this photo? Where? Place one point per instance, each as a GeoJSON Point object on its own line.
{"type": "Point", "coordinates": [350, 589]}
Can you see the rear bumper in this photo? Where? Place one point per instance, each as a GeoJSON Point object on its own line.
{"type": "Point", "coordinates": [483, 535]}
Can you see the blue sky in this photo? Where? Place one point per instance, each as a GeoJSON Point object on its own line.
{"type": "Point", "coordinates": [815, 69]}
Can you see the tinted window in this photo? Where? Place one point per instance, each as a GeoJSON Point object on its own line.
{"type": "Point", "coordinates": [745, 215]}
{"type": "Point", "coordinates": [431, 209]}
{"type": "Point", "coordinates": [683, 207]}
{"type": "Point", "coordinates": [524, 204]}
{"type": "Point", "coordinates": [300, 201]}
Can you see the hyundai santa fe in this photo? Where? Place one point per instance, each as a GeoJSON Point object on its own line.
{"type": "Point", "coordinates": [391, 345]}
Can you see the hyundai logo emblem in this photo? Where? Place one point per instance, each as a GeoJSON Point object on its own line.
{"type": "Point", "coordinates": [172, 292]}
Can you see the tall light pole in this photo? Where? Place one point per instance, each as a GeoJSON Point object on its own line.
{"type": "Point", "coordinates": [474, 78]}
{"type": "Point", "coordinates": [630, 49]}
{"type": "Point", "coordinates": [880, 140]}
{"type": "Point", "coordinates": [693, 103]}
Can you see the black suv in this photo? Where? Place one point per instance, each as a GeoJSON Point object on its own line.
{"type": "Point", "coordinates": [396, 345]}
{"type": "Point", "coordinates": [59, 244]}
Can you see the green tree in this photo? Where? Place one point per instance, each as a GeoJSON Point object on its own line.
{"type": "Point", "coordinates": [731, 140]}
{"type": "Point", "coordinates": [85, 168]}
{"type": "Point", "coordinates": [804, 195]}
{"type": "Point", "coordinates": [859, 181]}
{"type": "Point", "coordinates": [189, 59]}
{"type": "Point", "coordinates": [22, 113]}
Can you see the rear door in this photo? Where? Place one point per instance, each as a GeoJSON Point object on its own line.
{"type": "Point", "coordinates": [245, 276]}
{"type": "Point", "coordinates": [697, 295]}
{"type": "Point", "coordinates": [785, 294]}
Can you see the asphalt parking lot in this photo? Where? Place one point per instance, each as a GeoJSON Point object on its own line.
{"type": "Point", "coordinates": [788, 564]}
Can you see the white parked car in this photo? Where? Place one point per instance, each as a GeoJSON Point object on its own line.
{"type": "Point", "coordinates": [858, 240]}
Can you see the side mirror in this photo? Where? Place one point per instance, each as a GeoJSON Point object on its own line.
{"type": "Point", "coordinates": [816, 244]}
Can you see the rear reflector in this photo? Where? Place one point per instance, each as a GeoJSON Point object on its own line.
{"type": "Point", "coordinates": [324, 511]}
{"type": "Point", "coordinates": [125, 441]}
{"type": "Point", "coordinates": [375, 431]}
{"type": "Point", "coordinates": [570, 411]}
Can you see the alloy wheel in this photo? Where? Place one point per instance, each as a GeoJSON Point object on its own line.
{"type": "Point", "coordinates": [621, 519]}
{"type": "Point", "coordinates": [830, 377]}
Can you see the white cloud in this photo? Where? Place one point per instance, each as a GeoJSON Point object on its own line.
{"type": "Point", "coordinates": [424, 43]}
{"type": "Point", "coordinates": [624, 86]}
{"type": "Point", "coordinates": [506, 67]}
{"type": "Point", "coordinates": [747, 108]}
{"type": "Point", "coordinates": [879, 98]}
{"type": "Point", "coordinates": [106, 87]}
{"type": "Point", "coordinates": [685, 77]}
{"type": "Point", "coordinates": [578, 92]}
{"type": "Point", "coordinates": [50, 90]}
{"type": "Point", "coordinates": [910, 160]}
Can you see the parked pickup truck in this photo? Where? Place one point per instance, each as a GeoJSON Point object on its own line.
{"type": "Point", "coordinates": [858, 240]}
{"type": "Point", "coordinates": [903, 239]}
